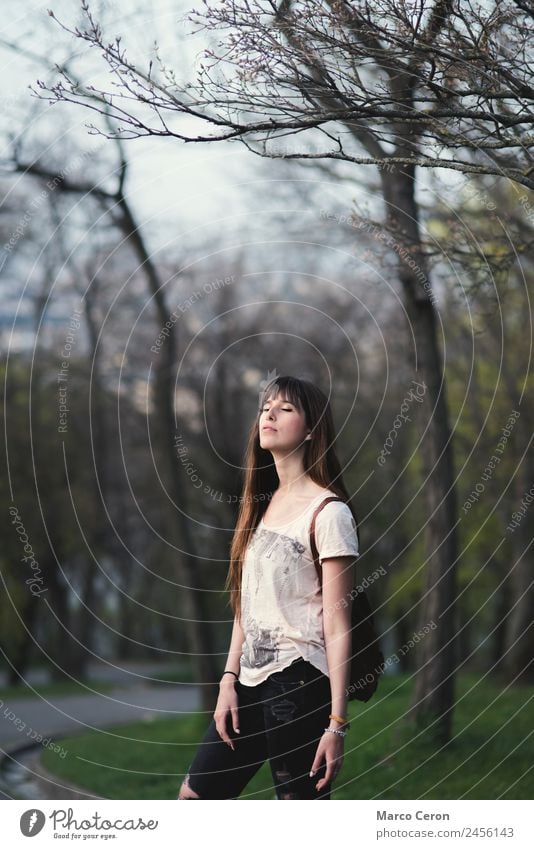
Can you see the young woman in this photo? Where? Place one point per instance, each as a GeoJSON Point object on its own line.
{"type": "Point", "coordinates": [282, 696]}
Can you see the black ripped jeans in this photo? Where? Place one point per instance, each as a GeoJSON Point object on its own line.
{"type": "Point", "coordinates": [282, 720]}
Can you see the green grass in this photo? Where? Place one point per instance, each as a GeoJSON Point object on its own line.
{"type": "Point", "coordinates": [175, 675]}
{"type": "Point", "coordinates": [490, 756]}
{"type": "Point", "coordinates": [60, 688]}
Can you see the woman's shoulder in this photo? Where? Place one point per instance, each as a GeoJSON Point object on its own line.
{"type": "Point", "coordinates": [322, 491]}
{"type": "Point", "coordinates": [336, 531]}
{"type": "Point", "coordinates": [338, 504]}
{"type": "Point", "coordinates": [337, 510]}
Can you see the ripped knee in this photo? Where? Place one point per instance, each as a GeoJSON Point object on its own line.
{"type": "Point", "coordinates": [284, 788]}
{"type": "Point", "coordinates": [185, 790]}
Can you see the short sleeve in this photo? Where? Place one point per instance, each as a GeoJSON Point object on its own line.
{"type": "Point", "coordinates": [335, 532]}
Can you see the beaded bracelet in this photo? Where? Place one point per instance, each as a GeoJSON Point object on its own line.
{"type": "Point", "coordinates": [337, 731]}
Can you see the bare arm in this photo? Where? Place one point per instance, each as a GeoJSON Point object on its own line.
{"type": "Point", "coordinates": [236, 645]}
{"type": "Point", "coordinates": [337, 587]}
{"type": "Point", "coordinates": [337, 602]}
{"type": "Point", "coordinates": [227, 703]}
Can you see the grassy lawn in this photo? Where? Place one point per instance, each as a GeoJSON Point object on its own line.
{"type": "Point", "coordinates": [491, 755]}
{"type": "Point", "coordinates": [175, 675]}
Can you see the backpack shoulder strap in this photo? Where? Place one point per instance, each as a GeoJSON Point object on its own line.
{"type": "Point", "coordinates": [313, 546]}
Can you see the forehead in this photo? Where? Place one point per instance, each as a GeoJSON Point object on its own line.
{"type": "Point", "coordinates": [282, 396]}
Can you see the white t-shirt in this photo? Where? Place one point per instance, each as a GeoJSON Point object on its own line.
{"type": "Point", "coordinates": [281, 599]}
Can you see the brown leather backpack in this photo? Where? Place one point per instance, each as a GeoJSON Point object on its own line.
{"type": "Point", "coordinates": [367, 660]}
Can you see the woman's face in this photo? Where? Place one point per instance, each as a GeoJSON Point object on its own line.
{"type": "Point", "coordinates": [282, 425]}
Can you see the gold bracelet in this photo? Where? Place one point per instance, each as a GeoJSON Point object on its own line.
{"type": "Point", "coordinates": [339, 719]}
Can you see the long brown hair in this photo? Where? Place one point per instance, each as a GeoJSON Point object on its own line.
{"type": "Point", "coordinates": [261, 479]}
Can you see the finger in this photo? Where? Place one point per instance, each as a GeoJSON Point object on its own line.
{"type": "Point", "coordinates": [316, 764]}
{"type": "Point", "coordinates": [235, 720]}
{"type": "Point", "coordinates": [223, 734]}
{"type": "Point", "coordinates": [329, 775]}
{"type": "Point", "coordinates": [322, 783]}
{"type": "Point", "coordinates": [327, 778]}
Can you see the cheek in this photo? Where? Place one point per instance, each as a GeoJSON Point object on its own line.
{"type": "Point", "coordinates": [295, 427]}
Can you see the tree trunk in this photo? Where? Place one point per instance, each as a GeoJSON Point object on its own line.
{"type": "Point", "coordinates": [501, 607]}
{"type": "Point", "coordinates": [68, 661]}
{"type": "Point", "coordinates": [518, 648]}
{"type": "Point", "coordinates": [518, 657]}
{"type": "Point", "coordinates": [195, 618]}
{"type": "Point", "coordinates": [19, 655]}
{"type": "Point", "coordinates": [436, 654]}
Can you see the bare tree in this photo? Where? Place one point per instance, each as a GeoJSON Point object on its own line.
{"type": "Point", "coordinates": [396, 84]}
{"type": "Point", "coordinates": [449, 78]}
{"type": "Point", "coordinates": [119, 210]}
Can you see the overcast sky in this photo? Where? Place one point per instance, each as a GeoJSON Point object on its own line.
{"type": "Point", "coordinates": [199, 194]}
{"type": "Point", "coordinates": [174, 183]}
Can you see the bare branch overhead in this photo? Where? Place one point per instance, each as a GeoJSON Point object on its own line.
{"type": "Point", "coordinates": [448, 84]}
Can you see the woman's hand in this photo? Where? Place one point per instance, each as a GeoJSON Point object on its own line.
{"type": "Point", "coordinates": [226, 708]}
{"type": "Point", "coordinates": [331, 750]}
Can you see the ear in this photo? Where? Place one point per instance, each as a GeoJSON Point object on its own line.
{"type": "Point", "coordinates": [307, 437]}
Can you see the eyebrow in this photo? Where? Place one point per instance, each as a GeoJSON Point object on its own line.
{"type": "Point", "coordinates": [283, 400]}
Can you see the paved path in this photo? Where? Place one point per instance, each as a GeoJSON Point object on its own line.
{"type": "Point", "coordinates": [52, 716]}
{"type": "Point", "coordinates": [58, 716]}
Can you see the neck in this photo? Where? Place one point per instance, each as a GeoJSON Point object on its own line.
{"type": "Point", "coordinates": [291, 474]}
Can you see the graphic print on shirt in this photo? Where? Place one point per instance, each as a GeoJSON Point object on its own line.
{"type": "Point", "coordinates": [269, 584]}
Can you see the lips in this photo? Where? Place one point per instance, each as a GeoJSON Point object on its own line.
{"type": "Point", "coordinates": [269, 428]}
